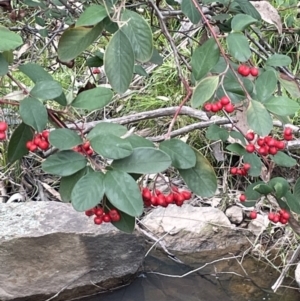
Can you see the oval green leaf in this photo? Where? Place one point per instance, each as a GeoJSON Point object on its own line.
{"type": "Point", "coordinates": [205, 58]}
{"type": "Point", "coordinates": [93, 99]}
{"type": "Point", "coordinates": [263, 189]}
{"type": "Point", "coordinates": [181, 154]}
{"type": "Point", "coordinates": [138, 141]}
{"type": "Point", "coordinates": [204, 90]}
{"type": "Point", "coordinates": [88, 191]}
{"type": "Point", "coordinates": [35, 72]}
{"type": "Point", "coordinates": [265, 85]}
{"type": "Point", "coordinates": [284, 160]}
{"type": "Point", "coordinates": [111, 146]}
{"type": "Point", "coordinates": [3, 65]}
{"type": "Point", "coordinates": [64, 163]}
{"type": "Point", "coordinates": [139, 34]}
{"type": "Point", "coordinates": [33, 113]}
{"type": "Point", "coordinates": [241, 21]}
{"type": "Point", "coordinates": [107, 128]}
{"type": "Point", "coordinates": [119, 62]}
{"type": "Point", "coordinates": [259, 119]}
{"type": "Point", "coordinates": [251, 194]}
{"type": "Point", "coordinates": [64, 139]}
{"type": "Point", "coordinates": [238, 46]}
{"type": "Point", "coordinates": [47, 89]}
{"type": "Point", "coordinates": [92, 15]}
{"type": "Point", "coordinates": [282, 106]}
{"type": "Point", "coordinates": [278, 60]}
{"type": "Point", "coordinates": [293, 202]}
{"type": "Point", "coordinates": [189, 9]}
{"type": "Point", "coordinates": [144, 160]}
{"type": "Point", "coordinates": [9, 40]}
{"type": "Point", "coordinates": [75, 40]}
{"type": "Point", "coordinates": [123, 192]}
{"type": "Point", "coordinates": [255, 163]}
{"type": "Point", "coordinates": [201, 178]}
{"type": "Point", "coordinates": [214, 132]}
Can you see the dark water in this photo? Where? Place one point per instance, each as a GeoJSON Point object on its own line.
{"type": "Point", "coordinates": [217, 282]}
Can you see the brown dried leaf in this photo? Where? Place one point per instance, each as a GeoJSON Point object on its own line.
{"type": "Point", "coordinates": [268, 13]}
{"type": "Point", "coordinates": [241, 118]}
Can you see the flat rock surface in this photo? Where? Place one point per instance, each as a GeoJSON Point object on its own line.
{"type": "Point", "coordinates": [48, 247]}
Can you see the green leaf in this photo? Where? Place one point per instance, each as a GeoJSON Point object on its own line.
{"type": "Point", "coordinates": [251, 194]}
{"type": "Point", "coordinates": [9, 40]}
{"type": "Point", "coordinates": [284, 160]}
{"type": "Point", "coordinates": [48, 89]}
{"type": "Point", "coordinates": [205, 58]}
{"type": "Point", "coordinates": [111, 146]}
{"type": "Point", "coordinates": [119, 62]}
{"type": "Point", "coordinates": [156, 58]}
{"type": "Point", "coordinates": [123, 192]}
{"type": "Point", "coordinates": [238, 135]}
{"type": "Point", "coordinates": [280, 185]}
{"type": "Point", "coordinates": [67, 184]}
{"type": "Point", "coordinates": [138, 141]}
{"type": "Point", "coordinates": [138, 69]}
{"type": "Point", "coordinates": [62, 100]}
{"type": "Point", "coordinates": [33, 113]}
{"type": "Point", "coordinates": [35, 72]}
{"type": "Point", "coordinates": [64, 163]}
{"type": "Point", "coordinates": [189, 9]}
{"type": "Point", "coordinates": [139, 34]}
{"type": "Point", "coordinates": [144, 160]}
{"type": "Point", "coordinates": [93, 99]}
{"type": "Point", "coordinates": [236, 148]}
{"type": "Point", "coordinates": [265, 85]}
{"type": "Point", "coordinates": [3, 65]}
{"type": "Point", "coordinates": [181, 154]}
{"type": "Point", "coordinates": [293, 202]}
{"type": "Point", "coordinates": [126, 223]}
{"type": "Point", "coordinates": [94, 61]}
{"type": "Point", "coordinates": [259, 119]}
{"type": "Point", "coordinates": [201, 178]}
{"type": "Point", "coordinates": [282, 106]}
{"type": "Point", "coordinates": [238, 46]}
{"type": "Point", "coordinates": [291, 86]}
{"type": "Point", "coordinates": [263, 189]}
{"type": "Point", "coordinates": [297, 189]}
{"type": "Point", "coordinates": [75, 40]}
{"type": "Point", "coordinates": [204, 90]}
{"type": "Point", "coordinates": [215, 132]}
{"type": "Point", "coordinates": [241, 21]}
{"type": "Point", "coordinates": [255, 163]}
{"type": "Point", "coordinates": [278, 60]}
{"type": "Point", "coordinates": [92, 15]}
{"type": "Point", "coordinates": [248, 9]}
{"type": "Point", "coordinates": [64, 139]}
{"type": "Point", "coordinates": [17, 143]}
{"type": "Point", "coordinates": [107, 128]}
{"type": "Point", "coordinates": [88, 191]}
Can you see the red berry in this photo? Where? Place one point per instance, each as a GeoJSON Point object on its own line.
{"type": "Point", "coordinates": [283, 220]}
{"type": "Point", "coordinates": [178, 199]}
{"type": "Point", "coordinates": [214, 108]}
{"type": "Point", "coordinates": [242, 198]}
{"type": "Point", "coordinates": [288, 131]}
{"type": "Point", "coordinates": [229, 108]}
{"type": "Point", "coordinates": [146, 194]}
{"type": "Point", "coordinates": [247, 166]}
{"type": "Point", "coordinates": [99, 212]}
{"type": "Point", "coordinates": [263, 151]}
{"type": "Point", "coordinates": [89, 212]}
{"type": "Point", "coordinates": [271, 216]}
{"type": "Point", "coordinates": [96, 71]}
{"type": "Point", "coordinates": [250, 136]}
{"type": "Point", "coordinates": [254, 71]}
{"type": "Point", "coordinates": [161, 200]}
{"type": "Point", "coordinates": [175, 188]}
{"type": "Point", "coordinates": [86, 145]}
{"type": "Point", "coordinates": [154, 200]}
{"type": "Point", "coordinates": [169, 198]}
{"type": "Point", "coordinates": [233, 170]}
{"type": "Point", "coordinates": [114, 215]}
{"type": "Point", "coordinates": [280, 144]}
{"type": "Point", "coordinates": [271, 142]}
{"type": "Point", "coordinates": [98, 220]}
{"type": "Point", "coordinates": [33, 148]}
{"type": "Point", "coordinates": [43, 145]}
{"type": "Point", "coordinates": [157, 192]}
{"type": "Point", "coordinates": [45, 134]}
{"type": "Point", "coordinates": [207, 107]}
{"type": "Point", "coordinates": [224, 100]}
{"type": "Point", "coordinates": [239, 172]}
{"type": "Point", "coordinates": [3, 126]}
{"type": "Point", "coordinates": [89, 152]}
{"type": "Point", "coordinates": [288, 137]}
{"type": "Point", "coordinates": [285, 215]}
{"type": "Point", "coordinates": [186, 194]}
{"type": "Point", "coordinates": [253, 214]}
{"type": "Point", "coordinates": [37, 140]}
{"type": "Point", "coordinates": [243, 70]}
{"type": "Point", "coordinates": [273, 150]}
{"type": "Point", "coordinates": [106, 218]}
{"type": "Point", "coordinates": [260, 142]}
{"type": "Point", "coordinates": [2, 136]}
{"type": "Point", "coordinates": [250, 148]}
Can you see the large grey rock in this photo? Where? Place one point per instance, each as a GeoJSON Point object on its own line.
{"type": "Point", "coordinates": [48, 247]}
{"type": "Point", "coordinates": [201, 233]}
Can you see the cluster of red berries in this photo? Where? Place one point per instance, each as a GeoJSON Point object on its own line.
{"type": "Point", "coordinates": [101, 216]}
{"type": "Point", "coordinates": [96, 71]}
{"type": "Point", "coordinates": [282, 216]}
{"type": "Point", "coordinates": [40, 141]}
{"type": "Point", "coordinates": [243, 171]}
{"type": "Point", "coordinates": [223, 103]}
{"type": "Point", "coordinates": [244, 70]}
{"type": "Point", "coordinates": [84, 149]}
{"type": "Point", "coordinates": [3, 128]}
{"type": "Point", "coordinates": [267, 145]}
{"type": "Point", "coordinates": [157, 198]}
